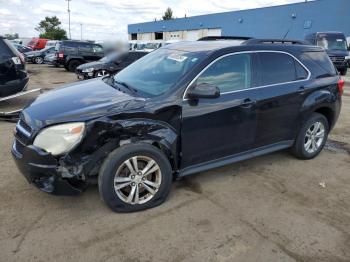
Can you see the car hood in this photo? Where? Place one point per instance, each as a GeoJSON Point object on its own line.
{"type": "Point", "coordinates": [80, 101]}
{"type": "Point", "coordinates": [97, 64]}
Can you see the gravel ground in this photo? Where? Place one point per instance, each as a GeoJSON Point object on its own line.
{"type": "Point", "coordinates": [271, 208]}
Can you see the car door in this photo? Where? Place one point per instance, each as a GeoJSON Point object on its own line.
{"type": "Point", "coordinates": [85, 50]}
{"type": "Point", "coordinates": [220, 127]}
{"type": "Point", "coordinates": [283, 82]}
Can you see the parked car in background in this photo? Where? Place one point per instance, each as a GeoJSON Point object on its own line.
{"type": "Point", "coordinates": [21, 48]}
{"type": "Point", "coordinates": [71, 53]}
{"type": "Point", "coordinates": [37, 57]}
{"type": "Point", "coordinates": [335, 45]}
{"type": "Point", "coordinates": [108, 65]}
{"type": "Point", "coordinates": [51, 43]}
{"type": "Point", "coordinates": [13, 76]}
{"type": "Point", "coordinates": [37, 43]}
{"type": "Point", "coordinates": [51, 59]}
{"type": "Point", "coordinates": [182, 109]}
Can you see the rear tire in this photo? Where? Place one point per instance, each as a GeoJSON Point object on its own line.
{"type": "Point", "coordinates": [38, 60]}
{"type": "Point", "coordinates": [311, 138]}
{"type": "Point", "coordinates": [72, 66]}
{"type": "Point", "coordinates": [125, 188]}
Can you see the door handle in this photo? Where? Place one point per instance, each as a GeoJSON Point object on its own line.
{"type": "Point", "coordinates": [247, 103]}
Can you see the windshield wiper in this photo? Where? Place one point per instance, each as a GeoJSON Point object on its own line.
{"type": "Point", "coordinates": [133, 90]}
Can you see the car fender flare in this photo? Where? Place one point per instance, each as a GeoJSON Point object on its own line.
{"type": "Point", "coordinates": [157, 133]}
{"type": "Point", "coordinates": [108, 135]}
{"type": "Point", "coordinates": [314, 101]}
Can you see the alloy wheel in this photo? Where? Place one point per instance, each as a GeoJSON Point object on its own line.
{"type": "Point", "coordinates": [137, 180]}
{"type": "Point", "coordinates": [39, 60]}
{"type": "Point", "coordinates": [102, 73]}
{"type": "Point", "coordinates": [314, 137]}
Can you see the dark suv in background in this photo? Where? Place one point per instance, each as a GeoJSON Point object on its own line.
{"type": "Point", "coordinates": [13, 76]}
{"type": "Point", "coordinates": [336, 46]}
{"type": "Point", "coordinates": [110, 64]}
{"type": "Point", "coordinates": [71, 54]}
{"type": "Point", "coordinates": [182, 109]}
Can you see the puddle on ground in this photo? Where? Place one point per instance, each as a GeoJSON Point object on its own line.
{"type": "Point", "coordinates": [337, 146]}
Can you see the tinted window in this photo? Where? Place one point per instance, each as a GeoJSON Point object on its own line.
{"type": "Point", "coordinates": [70, 44]}
{"type": "Point", "coordinates": [319, 63]}
{"type": "Point", "coordinates": [277, 68]}
{"type": "Point", "coordinates": [230, 73]}
{"type": "Point", "coordinates": [301, 72]}
{"type": "Point", "coordinates": [97, 48]}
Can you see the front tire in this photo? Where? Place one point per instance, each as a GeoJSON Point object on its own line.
{"type": "Point", "coordinates": [135, 177]}
{"type": "Point", "coordinates": [312, 137]}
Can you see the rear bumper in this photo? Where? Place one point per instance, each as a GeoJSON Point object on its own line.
{"type": "Point", "coordinates": [40, 168]}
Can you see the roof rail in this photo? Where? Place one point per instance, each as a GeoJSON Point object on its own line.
{"type": "Point", "coordinates": [275, 41]}
{"type": "Point", "coordinates": [218, 38]}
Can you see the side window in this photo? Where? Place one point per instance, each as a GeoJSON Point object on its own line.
{"type": "Point", "coordinates": [279, 68]}
{"type": "Point", "coordinates": [230, 73]}
{"type": "Point", "coordinates": [300, 71]}
{"type": "Point", "coordinates": [97, 48]}
{"type": "Point", "coordinates": [319, 63]}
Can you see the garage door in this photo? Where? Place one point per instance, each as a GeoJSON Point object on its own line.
{"type": "Point", "coordinates": [192, 35]}
{"type": "Point", "coordinates": [214, 32]}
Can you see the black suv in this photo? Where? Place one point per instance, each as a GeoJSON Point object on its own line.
{"type": "Point", "coordinates": [110, 64]}
{"type": "Point", "coordinates": [182, 109]}
{"type": "Point", "coordinates": [71, 54]}
{"type": "Point", "coordinates": [13, 76]}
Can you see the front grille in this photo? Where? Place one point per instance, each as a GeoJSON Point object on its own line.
{"type": "Point", "coordinates": [337, 59]}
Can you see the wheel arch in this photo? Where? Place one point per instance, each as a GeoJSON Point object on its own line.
{"type": "Point", "coordinates": [104, 136]}
{"type": "Point", "coordinates": [322, 102]}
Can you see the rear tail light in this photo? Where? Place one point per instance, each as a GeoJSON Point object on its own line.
{"type": "Point", "coordinates": [341, 84]}
{"type": "Point", "coordinates": [60, 55]}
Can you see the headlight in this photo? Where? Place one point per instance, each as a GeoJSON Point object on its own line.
{"type": "Point", "coordinates": [347, 57]}
{"type": "Point", "coordinates": [61, 138]}
{"type": "Point", "coordinates": [88, 70]}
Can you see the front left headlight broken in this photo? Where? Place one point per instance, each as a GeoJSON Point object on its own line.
{"type": "Point", "coordinates": [60, 139]}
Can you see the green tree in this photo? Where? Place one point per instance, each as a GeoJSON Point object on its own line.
{"type": "Point", "coordinates": [168, 15]}
{"type": "Point", "coordinates": [50, 28]}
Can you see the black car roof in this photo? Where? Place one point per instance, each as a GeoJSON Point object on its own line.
{"type": "Point", "coordinates": [241, 45]}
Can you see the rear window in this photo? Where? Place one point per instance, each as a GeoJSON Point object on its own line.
{"type": "Point", "coordinates": [7, 50]}
{"type": "Point", "coordinates": [319, 63]}
{"type": "Point", "coordinates": [278, 68]}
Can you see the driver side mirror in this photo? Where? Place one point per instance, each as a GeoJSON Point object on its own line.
{"type": "Point", "coordinates": [203, 90]}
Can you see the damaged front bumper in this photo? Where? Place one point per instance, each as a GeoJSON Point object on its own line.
{"type": "Point", "coordinates": [41, 169]}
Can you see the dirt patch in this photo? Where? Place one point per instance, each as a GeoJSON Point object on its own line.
{"type": "Point", "coordinates": [337, 146]}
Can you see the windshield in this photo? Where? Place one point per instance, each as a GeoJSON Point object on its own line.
{"type": "Point", "coordinates": [140, 46]}
{"type": "Point", "coordinates": [332, 42]}
{"type": "Point", "coordinates": [157, 72]}
{"type": "Point", "coordinates": [152, 46]}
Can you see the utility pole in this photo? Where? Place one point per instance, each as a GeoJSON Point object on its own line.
{"type": "Point", "coordinates": [81, 31]}
{"type": "Point", "coordinates": [70, 36]}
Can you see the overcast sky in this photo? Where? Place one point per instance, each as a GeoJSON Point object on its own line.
{"type": "Point", "coordinates": [108, 19]}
